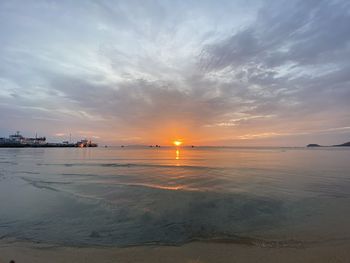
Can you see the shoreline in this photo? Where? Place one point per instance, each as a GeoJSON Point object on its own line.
{"type": "Point", "coordinates": [193, 252]}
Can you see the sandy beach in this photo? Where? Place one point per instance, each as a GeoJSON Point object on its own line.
{"type": "Point", "coordinates": [195, 252]}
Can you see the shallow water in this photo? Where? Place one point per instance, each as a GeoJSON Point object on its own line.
{"type": "Point", "coordinates": [134, 196]}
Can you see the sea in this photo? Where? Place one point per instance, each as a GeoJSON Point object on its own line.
{"type": "Point", "coordinates": [131, 196]}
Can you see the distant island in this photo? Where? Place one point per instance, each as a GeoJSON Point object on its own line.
{"type": "Point", "coordinates": [339, 145]}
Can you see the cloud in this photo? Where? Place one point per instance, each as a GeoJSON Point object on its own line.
{"type": "Point", "coordinates": [290, 61]}
{"type": "Point", "coordinates": [207, 72]}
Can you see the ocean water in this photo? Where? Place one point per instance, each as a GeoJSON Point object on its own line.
{"type": "Point", "coordinates": [137, 196]}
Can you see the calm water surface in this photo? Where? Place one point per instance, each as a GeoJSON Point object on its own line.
{"type": "Point", "coordinates": [134, 196]}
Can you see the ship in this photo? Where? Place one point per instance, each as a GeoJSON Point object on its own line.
{"type": "Point", "coordinates": [19, 141]}
{"type": "Point", "coordinates": [86, 143]}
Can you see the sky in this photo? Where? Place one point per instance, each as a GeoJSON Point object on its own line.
{"type": "Point", "coordinates": [245, 73]}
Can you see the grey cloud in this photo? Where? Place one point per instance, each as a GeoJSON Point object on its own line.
{"type": "Point", "coordinates": [128, 67]}
{"type": "Point", "coordinates": [301, 32]}
{"type": "Point", "coordinates": [293, 55]}
{"type": "Point", "coordinates": [142, 102]}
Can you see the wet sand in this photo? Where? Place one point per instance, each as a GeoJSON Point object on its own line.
{"type": "Point", "coordinates": [195, 252]}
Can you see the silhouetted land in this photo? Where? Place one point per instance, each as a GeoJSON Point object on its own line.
{"type": "Point", "coordinates": [339, 145]}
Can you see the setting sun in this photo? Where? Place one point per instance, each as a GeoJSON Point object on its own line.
{"type": "Point", "coordinates": [177, 143]}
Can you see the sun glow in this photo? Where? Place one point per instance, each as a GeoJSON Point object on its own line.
{"type": "Point", "coordinates": [177, 142]}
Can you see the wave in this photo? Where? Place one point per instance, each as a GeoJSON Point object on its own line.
{"type": "Point", "coordinates": [251, 241]}
{"type": "Point", "coordinates": [96, 241]}
{"type": "Point", "coordinates": [44, 184]}
{"type": "Point", "coordinates": [238, 240]}
{"type": "Point", "coordinates": [28, 172]}
{"type": "Point", "coordinates": [9, 162]}
{"type": "Point", "coordinates": [182, 187]}
{"type": "Point", "coordinates": [48, 185]}
{"type": "Point", "coordinates": [79, 174]}
{"type": "Point", "coordinates": [131, 165]}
